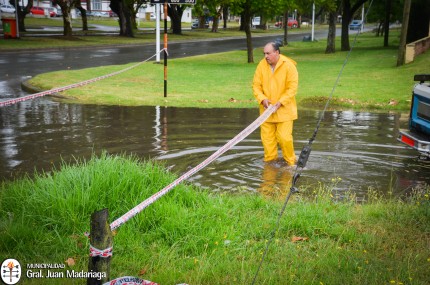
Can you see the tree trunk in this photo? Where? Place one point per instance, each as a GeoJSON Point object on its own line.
{"type": "Point", "coordinates": [175, 13]}
{"type": "Point", "coordinates": [379, 31]}
{"type": "Point", "coordinates": [263, 23]}
{"type": "Point", "coordinates": [331, 37]}
{"type": "Point", "coordinates": [124, 17]}
{"type": "Point", "coordinates": [242, 21]}
{"type": "Point", "coordinates": [387, 21]}
{"type": "Point", "coordinates": [133, 21]}
{"type": "Point", "coordinates": [285, 27]}
{"type": "Point", "coordinates": [215, 24]}
{"type": "Point", "coordinates": [249, 42]}
{"type": "Point", "coordinates": [128, 23]}
{"type": "Point", "coordinates": [83, 15]}
{"type": "Point", "coordinates": [22, 12]}
{"type": "Point", "coordinates": [133, 13]}
{"type": "Point", "coordinates": [347, 14]}
{"type": "Point", "coordinates": [202, 22]}
{"type": "Point", "coordinates": [115, 6]}
{"type": "Point", "coordinates": [404, 33]}
{"type": "Point", "coordinates": [247, 26]}
{"type": "Point", "coordinates": [21, 18]}
{"type": "Point", "coordinates": [225, 16]}
{"type": "Point", "coordinates": [346, 18]}
{"type": "Point", "coordinates": [67, 17]}
{"type": "Point", "coordinates": [67, 22]}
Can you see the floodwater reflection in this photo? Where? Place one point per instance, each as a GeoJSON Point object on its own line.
{"type": "Point", "coordinates": [276, 179]}
{"type": "Point", "coordinates": [357, 149]}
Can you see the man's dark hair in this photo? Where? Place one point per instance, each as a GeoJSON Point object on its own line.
{"type": "Point", "coordinates": [276, 46]}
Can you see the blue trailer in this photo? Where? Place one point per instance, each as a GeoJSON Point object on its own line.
{"type": "Point", "coordinates": [418, 134]}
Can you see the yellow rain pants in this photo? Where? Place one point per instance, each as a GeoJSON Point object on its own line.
{"type": "Point", "coordinates": [283, 136]}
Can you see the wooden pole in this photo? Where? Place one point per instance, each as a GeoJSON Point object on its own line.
{"type": "Point", "coordinates": [165, 48]}
{"type": "Point", "coordinates": [100, 238]}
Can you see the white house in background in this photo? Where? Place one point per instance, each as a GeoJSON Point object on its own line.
{"type": "Point", "coordinates": [103, 6]}
{"type": "Point", "coordinates": [36, 3]}
{"type": "Point", "coordinates": [147, 13]}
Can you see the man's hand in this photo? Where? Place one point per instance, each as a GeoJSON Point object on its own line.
{"type": "Point", "coordinates": [266, 103]}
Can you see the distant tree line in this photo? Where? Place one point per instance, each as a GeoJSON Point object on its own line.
{"type": "Point", "coordinates": [382, 12]}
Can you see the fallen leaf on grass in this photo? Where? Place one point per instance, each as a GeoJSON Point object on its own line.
{"type": "Point", "coordinates": [70, 261]}
{"type": "Point", "coordinates": [296, 239]}
{"type": "Point", "coordinates": [142, 272]}
{"type": "Point", "coordinates": [393, 102]}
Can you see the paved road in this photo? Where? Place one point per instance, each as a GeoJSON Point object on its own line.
{"type": "Point", "coordinates": [18, 66]}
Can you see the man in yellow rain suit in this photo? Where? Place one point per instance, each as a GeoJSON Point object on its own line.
{"type": "Point", "coordinates": [275, 82]}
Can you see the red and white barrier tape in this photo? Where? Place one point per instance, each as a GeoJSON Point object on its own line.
{"type": "Point", "coordinates": [130, 280]}
{"type": "Point", "coordinates": [243, 134]}
{"type": "Point", "coordinates": [79, 84]}
{"type": "Point", "coordinates": [102, 253]}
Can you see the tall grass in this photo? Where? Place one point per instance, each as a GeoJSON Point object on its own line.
{"type": "Point", "coordinates": [199, 237]}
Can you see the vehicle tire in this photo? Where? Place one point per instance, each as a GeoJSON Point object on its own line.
{"type": "Point", "coordinates": [294, 26]}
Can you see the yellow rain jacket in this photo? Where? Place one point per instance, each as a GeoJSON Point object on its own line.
{"type": "Point", "coordinates": [280, 85]}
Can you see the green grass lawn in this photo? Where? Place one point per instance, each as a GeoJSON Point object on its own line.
{"type": "Point", "coordinates": [370, 79]}
{"type": "Point", "coordinates": [197, 237]}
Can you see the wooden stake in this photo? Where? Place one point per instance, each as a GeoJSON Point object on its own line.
{"type": "Point", "coordinates": [101, 238]}
{"type": "Point", "coordinates": [165, 48]}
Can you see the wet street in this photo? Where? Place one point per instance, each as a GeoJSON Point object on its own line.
{"type": "Point", "coordinates": [353, 150]}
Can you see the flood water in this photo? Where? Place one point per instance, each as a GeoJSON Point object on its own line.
{"type": "Point", "coordinates": [358, 150]}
